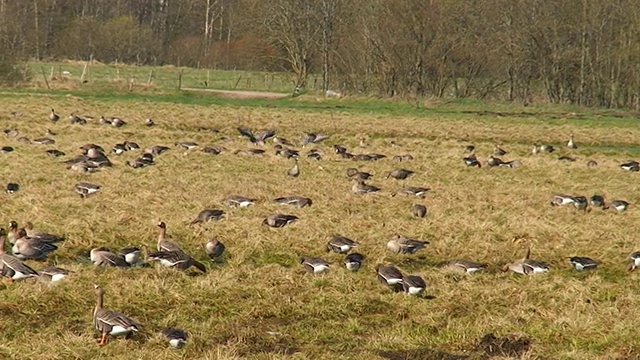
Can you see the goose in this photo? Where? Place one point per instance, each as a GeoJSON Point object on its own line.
{"type": "Point", "coordinates": [471, 161]}
{"type": "Point", "coordinates": [207, 215]}
{"type": "Point", "coordinates": [213, 150]}
{"type": "Point", "coordinates": [583, 263]}
{"type": "Point", "coordinates": [314, 265]}
{"type": "Point", "coordinates": [535, 149]}
{"type": "Point", "coordinates": [469, 148]}
{"type": "Point", "coordinates": [512, 164]}
{"type": "Point", "coordinates": [6, 149]}
{"type": "Point", "coordinates": [24, 140]}
{"type": "Point", "coordinates": [214, 249]}
{"type": "Point", "coordinates": [53, 116]}
{"type": "Point", "coordinates": [131, 255]}
{"type": "Point", "coordinates": [12, 267]}
{"type": "Point", "coordinates": [400, 174]}
{"type": "Point", "coordinates": [634, 261]}
{"type": "Point", "coordinates": [177, 338]}
{"type": "Point", "coordinates": [377, 156]}
{"type": "Point", "coordinates": [97, 158]}
{"type": "Point", "coordinates": [281, 141]}
{"type": "Point", "coordinates": [55, 153]}
{"type": "Point", "coordinates": [592, 163]}
{"type": "Point", "coordinates": [53, 273]}
{"type": "Point", "coordinates": [44, 141]}
{"type": "Point", "coordinates": [571, 144]}
{"type": "Point", "coordinates": [14, 233]}
{"type": "Point", "coordinates": [288, 153]}
{"type": "Point", "coordinates": [314, 154]}
{"type": "Point", "coordinates": [362, 157]}
{"type": "Point", "coordinates": [251, 152]}
{"type": "Point", "coordinates": [355, 173]}
{"type": "Point", "coordinates": [238, 201]}
{"type": "Point", "coordinates": [260, 138]}
{"type": "Point", "coordinates": [566, 158]}
{"type": "Point", "coordinates": [313, 138]}
{"type": "Point", "coordinates": [186, 145]}
{"type": "Point", "coordinates": [11, 132]}
{"type": "Point", "coordinates": [597, 201]}
{"type": "Point", "coordinates": [130, 145]}
{"type": "Point", "coordinates": [12, 188]}
{"type": "Point", "coordinates": [494, 161]}
{"type": "Point", "coordinates": [143, 161]}
{"type": "Point", "coordinates": [278, 220]}
{"type": "Point", "coordinates": [402, 245]}
{"type": "Point", "coordinates": [418, 210]}
{"type": "Point", "coordinates": [32, 248]}
{"type": "Point", "coordinates": [413, 191]}
{"type": "Point", "coordinates": [360, 187]}
{"type": "Point", "coordinates": [547, 148]}
{"type": "Point", "coordinates": [527, 266]}
{"type": "Point", "coordinates": [164, 244]}
{"type": "Point", "coordinates": [295, 170]}
{"type": "Point", "coordinates": [39, 234]}
{"type": "Point", "coordinates": [110, 322]}
{"type": "Point", "coordinates": [619, 205]}
{"type": "Point", "coordinates": [50, 133]}
{"type": "Point", "coordinates": [339, 149]}
{"type": "Point", "coordinates": [176, 259]}
{"type": "Point", "coordinates": [353, 261]}
{"type": "Point", "coordinates": [117, 122]}
{"type": "Point", "coordinates": [119, 149]}
{"type": "Point", "coordinates": [104, 120]}
{"type": "Point", "coordinates": [559, 200]}
{"type": "Point", "coordinates": [156, 149]}
{"type": "Point", "coordinates": [340, 244]}
{"type": "Point", "coordinates": [74, 119]}
{"type": "Point", "coordinates": [85, 189]}
{"type": "Point", "coordinates": [298, 201]}
{"type": "Point", "coordinates": [390, 276]}
{"type": "Point", "coordinates": [86, 147]}
{"type": "Point", "coordinates": [102, 256]}
{"type": "Point", "coordinates": [580, 203]}
{"type": "Point", "coordinates": [498, 151]}
{"type": "Point", "coordinates": [84, 167]}
{"type": "Point", "coordinates": [465, 266]}
{"type": "Point", "coordinates": [149, 122]}
{"type": "Point", "coordinates": [346, 155]}
{"type": "Point", "coordinates": [632, 165]}
{"type": "Point", "coordinates": [413, 284]}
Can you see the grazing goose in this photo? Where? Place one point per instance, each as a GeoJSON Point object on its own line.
{"type": "Point", "coordinates": [339, 149]}
{"type": "Point", "coordinates": [44, 141]}
{"type": "Point", "coordinates": [571, 144]}
{"type": "Point", "coordinates": [12, 188]}
{"type": "Point", "coordinates": [389, 275]}
{"type": "Point", "coordinates": [11, 132]}
{"type": "Point", "coordinates": [619, 205]}
{"type": "Point", "coordinates": [298, 201]}
{"type": "Point", "coordinates": [413, 284]}
{"type": "Point", "coordinates": [143, 161]}
{"type": "Point", "coordinates": [102, 256]}
{"type": "Point", "coordinates": [558, 200]}
{"type": "Point", "coordinates": [207, 215]}
{"type": "Point", "coordinates": [547, 148]}
{"type": "Point", "coordinates": [130, 145]}
{"type": "Point", "coordinates": [402, 245]}
{"type": "Point", "coordinates": [177, 338]}
{"type": "Point", "coordinates": [281, 141]}
{"type": "Point", "coordinates": [314, 265]}
{"type": "Point", "coordinates": [278, 220]}
{"type": "Point", "coordinates": [340, 244]}
{"type": "Point", "coordinates": [295, 170]}
{"type": "Point", "coordinates": [469, 148]}
{"type": "Point", "coordinates": [498, 151]}
{"type": "Point", "coordinates": [313, 138]}
{"type": "Point", "coordinates": [314, 154]}
{"type": "Point", "coordinates": [39, 234]}
{"type": "Point", "coordinates": [592, 163]}
{"type": "Point", "coordinates": [471, 161]}
{"type": "Point", "coordinates": [119, 149]}
{"type": "Point", "coordinates": [176, 259]}
{"type": "Point", "coordinates": [260, 138]}
{"type": "Point", "coordinates": [288, 153]}
{"type": "Point", "coordinates": [597, 201]}
{"type": "Point", "coordinates": [83, 167]}
{"type": "Point", "coordinates": [97, 158]}
{"type": "Point", "coordinates": [251, 152]}
{"type": "Point", "coordinates": [131, 256]}
{"type": "Point", "coordinates": [354, 173]}
{"type": "Point", "coordinates": [214, 249]}
{"type": "Point", "coordinates": [53, 273]}
{"type": "Point", "coordinates": [86, 147]}
{"type": "Point", "coordinates": [632, 165]}
{"type": "Point", "coordinates": [238, 201]}
{"type": "Point", "coordinates": [85, 189]}
{"type": "Point", "coordinates": [156, 149]}
{"type": "Point", "coordinates": [53, 116]}
{"type": "Point", "coordinates": [634, 261]}
{"type": "Point", "coordinates": [32, 248]}
{"type": "Point", "coordinates": [12, 267]}
{"type": "Point", "coordinates": [494, 161]}
{"type": "Point", "coordinates": [213, 150]}
{"type": "Point", "coordinates": [400, 174]}
{"type": "Point", "coordinates": [527, 266]}
{"type": "Point", "coordinates": [75, 119]}
{"type": "Point", "coordinates": [6, 149]}
{"type": "Point", "coordinates": [117, 122]}
{"type": "Point", "coordinates": [465, 266]}
{"type": "Point", "coordinates": [149, 122]}
{"type": "Point", "coordinates": [583, 263]}
{"type": "Point", "coordinates": [353, 261]}
{"type": "Point", "coordinates": [360, 187]}
{"type": "Point", "coordinates": [164, 244]}
{"type": "Point", "coordinates": [186, 145]}
{"type": "Point", "coordinates": [418, 210]}
{"type": "Point", "coordinates": [110, 322]}
{"type": "Point", "coordinates": [55, 153]}
{"type": "Point", "coordinates": [413, 191]}
{"type": "Point", "coordinates": [580, 203]}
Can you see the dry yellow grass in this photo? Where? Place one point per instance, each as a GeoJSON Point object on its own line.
{"type": "Point", "coordinates": [260, 304]}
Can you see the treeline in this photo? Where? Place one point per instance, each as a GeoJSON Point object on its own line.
{"type": "Point", "coordinates": [570, 51]}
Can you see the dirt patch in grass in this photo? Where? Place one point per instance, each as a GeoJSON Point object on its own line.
{"type": "Point", "coordinates": [236, 94]}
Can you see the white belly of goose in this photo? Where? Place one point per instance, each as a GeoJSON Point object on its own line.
{"type": "Point", "coordinates": [57, 277]}
{"type": "Point", "coordinates": [119, 330]}
{"type": "Point", "coordinates": [176, 343]}
{"type": "Point", "coordinates": [471, 270]}
{"type": "Point", "coordinates": [167, 263]}
{"type": "Point", "coordinates": [415, 290]}
{"type": "Point", "coordinates": [20, 276]}
{"type": "Point", "coordinates": [320, 268]}
{"type": "Point", "coordinates": [394, 281]}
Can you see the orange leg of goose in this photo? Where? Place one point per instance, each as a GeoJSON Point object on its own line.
{"type": "Point", "coordinates": [103, 340]}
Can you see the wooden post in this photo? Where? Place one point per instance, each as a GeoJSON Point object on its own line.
{"type": "Point", "coordinates": [84, 72]}
{"type": "Point", "coordinates": [180, 80]}
{"type": "Point", "coordinates": [237, 82]}
{"type": "Point", "coordinates": [208, 78]}
{"type": "Point", "coordinates": [150, 77]}
{"type": "Point", "coordinates": [45, 78]}
{"type": "Point", "coordinates": [131, 84]}
{"type": "Point", "coordinates": [117, 71]}
{"type": "Point", "coordinates": [51, 76]}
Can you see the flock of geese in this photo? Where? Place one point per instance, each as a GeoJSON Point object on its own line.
{"type": "Point", "coordinates": [27, 243]}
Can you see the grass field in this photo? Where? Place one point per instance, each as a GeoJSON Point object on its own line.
{"type": "Point", "coordinates": [260, 304]}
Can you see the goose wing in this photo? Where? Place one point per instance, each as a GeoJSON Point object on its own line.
{"type": "Point", "coordinates": [247, 132]}
{"type": "Point", "coordinates": [113, 319]}
{"type": "Point", "coordinates": [107, 258]}
{"type": "Point", "coordinates": [265, 135]}
{"type": "Point", "coordinates": [17, 265]}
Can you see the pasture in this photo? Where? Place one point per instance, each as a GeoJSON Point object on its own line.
{"type": "Point", "coordinates": [259, 303]}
